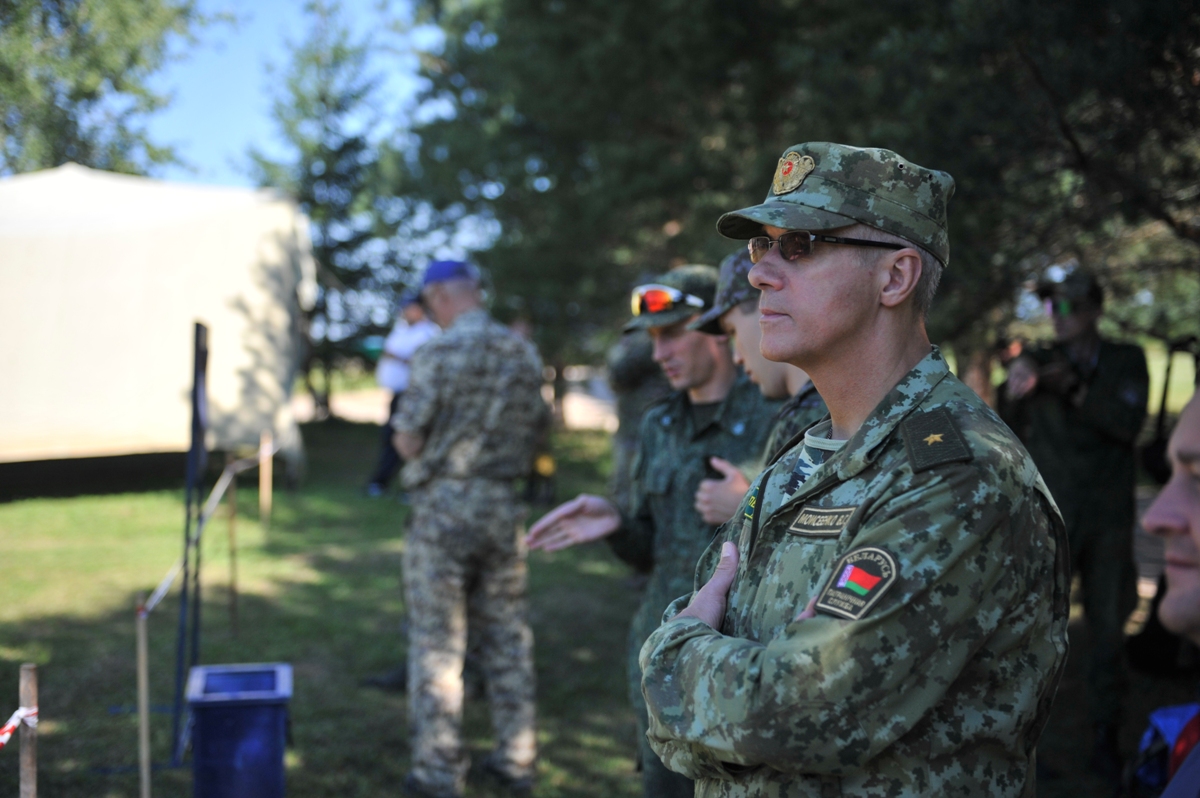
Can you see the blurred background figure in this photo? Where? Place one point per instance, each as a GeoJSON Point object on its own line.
{"type": "Point", "coordinates": [410, 331]}
{"type": "Point", "coordinates": [1078, 405]}
{"type": "Point", "coordinates": [637, 382]}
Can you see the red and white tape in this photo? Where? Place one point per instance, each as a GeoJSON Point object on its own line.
{"type": "Point", "coordinates": [26, 715]}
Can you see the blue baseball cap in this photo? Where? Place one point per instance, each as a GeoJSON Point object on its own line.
{"type": "Point", "coordinates": [441, 271]}
{"type": "Point", "coordinates": [410, 296]}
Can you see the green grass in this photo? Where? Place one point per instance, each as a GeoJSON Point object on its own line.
{"type": "Point", "coordinates": [321, 589]}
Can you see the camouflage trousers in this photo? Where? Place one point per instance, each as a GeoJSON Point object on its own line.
{"type": "Point", "coordinates": [464, 556]}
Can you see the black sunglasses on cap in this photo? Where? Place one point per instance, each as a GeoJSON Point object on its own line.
{"type": "Point", "coordinates": [797, 244]}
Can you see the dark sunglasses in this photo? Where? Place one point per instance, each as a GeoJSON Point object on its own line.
{"type": "Point", "coordinates": [1062, 307]}
{"type": "Point", "coordinates": [796, 244]}
{"type": "Point", "coordinates": [655, 298]}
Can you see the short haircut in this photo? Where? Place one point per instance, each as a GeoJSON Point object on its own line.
{"type": "Point", "coordinates": [931, 267]}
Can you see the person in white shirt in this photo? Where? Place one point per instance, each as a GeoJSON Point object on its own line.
{"type": "Point", "coordinates": [412, 329]}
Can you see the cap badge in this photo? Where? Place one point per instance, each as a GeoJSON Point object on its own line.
{"type": "Point", "coordinates": [792, 170]}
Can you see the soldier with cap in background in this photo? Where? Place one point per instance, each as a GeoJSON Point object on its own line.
{"type": "Point", "coordinates": [715, 411]}
{"type": "Point", "coordinates": [887, 613]}
{"type": "Point", "coordinates": [1079, 405]}
{"type": "Point", "coordinates": [735, 314]}
{"type": "Point", "coordinates": [468, 427]}
{"type": "Point", "coordinates": [637, 382]}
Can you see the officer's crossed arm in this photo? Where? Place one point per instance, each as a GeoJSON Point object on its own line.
{"type": "Point", "coordinates": [419, 406]}
{"type": "Point", "coordinates": [827, 694]}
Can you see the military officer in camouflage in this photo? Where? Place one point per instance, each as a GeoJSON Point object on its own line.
{"type": "Point", "coordinates": [735, 314]}
{"type": "Point", "coordinates": [1079, 405]}
{"type": "Point", "coordinates": [468, 427]}
{"type": "Point", "coordinates": [715, 411]}
{"type": "Point", "coordinates": [887, 614]}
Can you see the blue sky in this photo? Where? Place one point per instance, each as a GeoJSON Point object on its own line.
{"type": "Point", "coordinates": [222, 87]}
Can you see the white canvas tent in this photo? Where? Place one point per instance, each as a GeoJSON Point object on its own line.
{"type": "Point", "coordinates": [102, 277]}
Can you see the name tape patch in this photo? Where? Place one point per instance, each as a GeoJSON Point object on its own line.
{"type": "Point", "coordinates": [821, 522]}
{"type": "Point", "coordinates": [859, 581]}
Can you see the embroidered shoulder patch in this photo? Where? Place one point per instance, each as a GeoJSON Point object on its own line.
{"type": "Point", "coordinates": [933, 439]}
{"type": "Point", "coordinates": [821, 522]}
{"type": "Point", "coordinates": [858, 582]}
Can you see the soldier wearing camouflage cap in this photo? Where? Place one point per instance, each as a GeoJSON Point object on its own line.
{"type": "Point", "coordinates": [714, 412]}
{"type": "Point", "coordinates": [735, 314]}
{"type": "Point", "coordinates": [887, 613]}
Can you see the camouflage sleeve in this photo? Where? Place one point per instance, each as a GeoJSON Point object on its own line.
{"type": "Point", "coordinates": [1120, 409]}
{"type": "Point", "coordinates": [826, 695]}
{"type": "Point", "coordinates": [419, 404]}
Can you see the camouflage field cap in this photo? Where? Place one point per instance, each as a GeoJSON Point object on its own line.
{"type": "Point", "coordinates": [733, 288]}
{"type": "Point", "coordinates": [822, 186]}
{"type": "Point", "coordinates": [693, 280]}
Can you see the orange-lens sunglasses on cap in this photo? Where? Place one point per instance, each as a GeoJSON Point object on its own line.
{"type": "Point", "coordinates": [656, 298]}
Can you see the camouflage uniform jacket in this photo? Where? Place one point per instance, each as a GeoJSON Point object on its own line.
{"type": "Point", "coordinates": [940, 564]}
{"type": "Point", "coordinates": [475, 397]}
{"type": "Point", "coordinates": [798, 413]}
{"type": "Point", "coordinates": [661, 532]}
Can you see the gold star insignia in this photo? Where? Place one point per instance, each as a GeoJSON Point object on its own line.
{"type": "Point", "coordinates": [934, 438]}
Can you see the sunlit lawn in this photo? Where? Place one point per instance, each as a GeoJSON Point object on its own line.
{"type": "Point", "coordinates": [320, 590]}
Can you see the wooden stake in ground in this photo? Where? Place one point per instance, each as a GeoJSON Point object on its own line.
{"type": "Point", "coordinates": [265, 444]}
{"type": "Point", "coordinates": [231, 502]}
{"type": "Point", "coordinates": [143, 698]}
{"type": "Point", "coordinates": [28, 697]}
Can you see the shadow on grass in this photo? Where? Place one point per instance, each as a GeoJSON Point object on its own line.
{"type": "Point", "coordinates": [327, 598]}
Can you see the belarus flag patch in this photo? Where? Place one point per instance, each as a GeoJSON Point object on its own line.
{"type": "Point", "coordinates": [861, 578]}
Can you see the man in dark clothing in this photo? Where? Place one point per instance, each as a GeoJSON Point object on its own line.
{"type": "Point", "coordinates": [1079, 405]}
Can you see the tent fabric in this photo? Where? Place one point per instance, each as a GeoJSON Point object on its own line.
{"type": "Point", "coordinates": [102, 278]}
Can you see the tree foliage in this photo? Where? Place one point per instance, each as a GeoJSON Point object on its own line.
{"type": "Point", "coordinates": [606, 136]}
{"type": "Point", "coordinates": [324, 112]}
{"type": "Point", "coordinates": [73, 80]}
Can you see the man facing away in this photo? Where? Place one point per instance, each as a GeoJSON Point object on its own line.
{"type": "Point", "coordinates": [1079, 405]}
{"type": "Point", "coordinates": [411, 330]}
{"type": "Point", "coordinates": [735, 314]}
{"type": "Point", "coordinates": [1175, 517]}
{"type": "Point", "coordinates": [467, 427]}
{"type": "Point", "coordinates": [886, 615]}
{"type": "Point", "coordinates": [715, 411]}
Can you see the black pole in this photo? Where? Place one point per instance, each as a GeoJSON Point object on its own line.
{"type": "Point", "coordinates": [196, 464]}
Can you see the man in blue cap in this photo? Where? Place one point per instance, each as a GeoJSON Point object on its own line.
{"type": "Point", "coordinates": [468, 426]}
{"type": "Point", "coordinates": [411, 330]}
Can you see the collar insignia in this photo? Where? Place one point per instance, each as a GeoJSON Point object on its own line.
{"type": "Point", "coordinates": [790, 173]}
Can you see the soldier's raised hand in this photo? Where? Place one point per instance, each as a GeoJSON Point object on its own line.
{"type": "Point", "coordinates": [581, 520]}
{"type": "Point", "coordinates": [718, 499]}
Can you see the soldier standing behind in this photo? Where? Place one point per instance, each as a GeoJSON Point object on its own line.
{"type": "Point", "coordinates": [1079, 405]}
{"type": "Point", "coordinates": [638, 382]}
{"type": "Point", "coordinates": [735, 314]}
{"type": "Point", "coordinates": [467, 427]}
{"type": "Point", "coordinates": [715, 411]}
{"type": "Point", "coordinates": [887, 614]}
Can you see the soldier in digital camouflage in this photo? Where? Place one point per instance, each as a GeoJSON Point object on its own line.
{"type": "Point", "coordinates": [714, 412]}
{"type": "Point", "coordinates": [1079, 404]}
{"type": "Point", "coordinates": [887, 614]}
{"type": "Point", "coordinates": [468, 427]}
{"type": "Point", "coordinates": [735, 314]}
